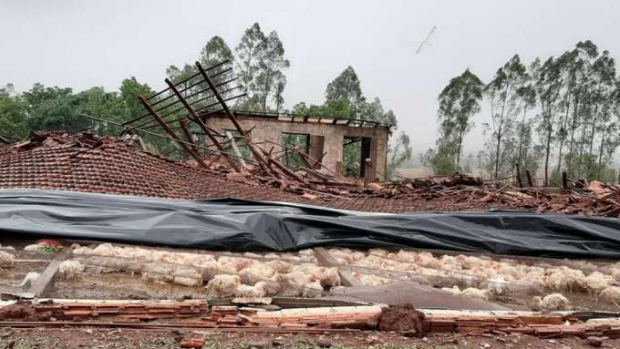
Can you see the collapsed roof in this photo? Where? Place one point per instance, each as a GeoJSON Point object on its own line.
{"type": "Point", "coordinates": [89, 163]}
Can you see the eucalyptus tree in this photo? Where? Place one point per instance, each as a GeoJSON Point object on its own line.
{"type": "Point", "coordinates": [609, 122]}
{"type": "Point", "coordinates": [12, 115]}
{"type": "Point", "coordinates": [603, 73]}
{"type": "Point", "coordinates": [216, 50]}
{"type": "Point", "coordinates": [346, 86]}
{"type": "Point", "coordinates": [248, 61]}
{"type": "Point", "coordinates": [271, 64]}
{"type": "Point", "coordinates": [548, 84]}
{"type": "Point", "coordinates": [575, 76]}
{"type": "Point", "coordinates": [527, 100]}
{"type": "Point", "coordinates": [503, 95]}
{"type": "Point", "coordinates": [459, 101]}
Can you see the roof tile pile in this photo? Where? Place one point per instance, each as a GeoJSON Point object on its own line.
{"type": "Point", "coordinates": [89, 163]}
{"type": "Point", "coordinates": [104, 165]}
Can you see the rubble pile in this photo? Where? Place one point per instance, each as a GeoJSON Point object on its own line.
{"type": "Point", "coordinates": [90, 163]}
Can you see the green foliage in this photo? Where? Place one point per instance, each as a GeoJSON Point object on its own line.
{"type": "Point", "coordinates": [291, 141]}
{"type": "Point", "coordinates": [440, 160]}
{"type": "Point", "coordinates": [12, 116]}
{"type": "Point", "coordinates": [260, 66]}
{"type": "Point", "coordinates": [215, 51]}
{"type": "Point", "coordinates": [400, 151]}
{"type": "Point", "coordinates": [52, 109]}
{"type": "Point", "coordinates": [576, 99]}
{"type": "Point", "coordinates": [130, 90]}
{"type": "Point", "coordinates": [346, 87]}
{"type": "Point", "coordinates": [505, 92]}
{"type": "Point", "coordinates": [344, 100]}
{"type": "Point", "coordinates": [338, 109]}
{"type": "Point", "coordinates": [458, 102]}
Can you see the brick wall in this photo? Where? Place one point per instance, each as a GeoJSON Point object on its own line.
{"type": "Point", "coordinates": [268, 129]}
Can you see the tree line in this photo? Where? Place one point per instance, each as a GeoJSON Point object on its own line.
{"type": "Point", "coordinates": [561, 113]}
{"type": "Point", "coordinates": [259, 63]}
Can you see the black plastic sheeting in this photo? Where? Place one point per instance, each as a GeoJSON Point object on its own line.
{"type": "Point", "coordinates": [250, 226]}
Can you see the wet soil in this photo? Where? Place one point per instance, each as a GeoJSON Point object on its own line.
{"type": "Point", "coordinates": [47, 338]}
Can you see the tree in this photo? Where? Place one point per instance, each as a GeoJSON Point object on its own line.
{"type": "Point", "coordinates": [176, 75]}
{"type": "Point", "coordinates": [248, 63]}
{"type": "Point", "coordinates": [399, 151]}
{"type": "Point", "coordinates": [548, 86]}
{"type": "Point", "coordinates": [527, 155]}
{"type": "Point", "coordinates": [271, 78]}
{"type": "Point", "coordinates": [527, 96]}
{"type": "Point", "coordinates": [130, 90]}
{"type": "Point", "coordinates": [346, 86]}
{"type": "Point", "coordinates": [577, 77]}
{"type": "Point", "coordinates": [503, 95]}
{"type": "Point", "coordinates": [603, 73]}
{"type": "Point", "coordinates": [106, 105]}
{"type": "Point", "coordinates": [215, 51]}
{"type": "Point", "coordinates": [52, 109]}
{"type": "Point", "coordinates": [338, 109]}
{"type": "Point", "coordinates": [459, 101]}
{"type": "Point", "coordinates": [12, 115]}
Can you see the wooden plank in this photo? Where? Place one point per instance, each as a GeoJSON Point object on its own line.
{"type": "Point", "coordinates": [327, 260]}
{"type": "Point", "coordinates": [44, 283]}
{"type": "Point", "coordinates": [236, 150]}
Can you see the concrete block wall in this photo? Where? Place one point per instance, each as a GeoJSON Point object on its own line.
{"type": "Point", "coordinates": [271, 129]}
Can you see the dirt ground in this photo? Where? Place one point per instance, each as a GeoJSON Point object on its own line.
{"type": "Point", "coordinates": [43, 338]}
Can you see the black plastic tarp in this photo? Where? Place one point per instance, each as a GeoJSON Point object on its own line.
{"type": "Point", "coordinates": [233, 225]}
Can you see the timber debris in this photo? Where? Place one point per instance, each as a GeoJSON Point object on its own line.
{"type": "Point", "coordinates": [86, 162]}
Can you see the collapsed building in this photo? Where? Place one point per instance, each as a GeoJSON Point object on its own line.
{"type": "Point", "coordinates": [324, 138]}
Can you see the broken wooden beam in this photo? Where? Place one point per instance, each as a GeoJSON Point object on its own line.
{"type": "Point", "coordinates": [171, 133]}
{"type": "Point", "coordinates": [327, 260]}
{"type": "Point", "coordinates": [44, 283]}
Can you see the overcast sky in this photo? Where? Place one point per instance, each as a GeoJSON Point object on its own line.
{"type": "Point", "coordinates": [81, 44]}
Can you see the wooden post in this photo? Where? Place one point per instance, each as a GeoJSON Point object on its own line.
{"type": "Point", "coordinates": [201, 123]}
{"type": "Point", "coordinates": [367, 173]}
{"type": "Point", "coordinates": [185, 130]}
{"type": "Point", "coordinates": [316, 150]}
{"type": "Point", "coordinates": [564, 180]}
{"type": "Point", "coordinates": [529, 178]}
{"type": "Point", "coordinates": [262, 162]}
{"type": "Point", "coordinates": [236, 150]}
{"type": "Point", "coordinates": [327, 260]}
{"type": "Point", "coordinates": [43, 284]}
{"type": "Point", "coordinates": [519, 181]}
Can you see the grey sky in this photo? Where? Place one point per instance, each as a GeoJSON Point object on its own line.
{"type": "Point", "coordinates": [81, 44]}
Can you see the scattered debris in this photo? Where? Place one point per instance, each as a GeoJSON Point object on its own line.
{"type": "Point", "coordinates": [120, 169]}
{"type": "Point", "coordinates": [22, 310]}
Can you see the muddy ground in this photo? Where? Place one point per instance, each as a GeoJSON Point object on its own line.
{"type": "Point", "coordinates": [43, 338]}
